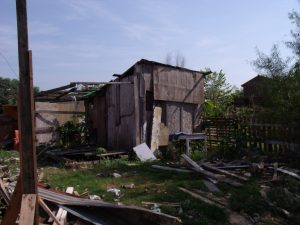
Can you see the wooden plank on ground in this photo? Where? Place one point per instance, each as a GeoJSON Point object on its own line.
{"type": "Point", "coordinates": [171, 169]}
{"type": "Point", "coordinates": [292, 174]}
{"type": "Point", "coordinates": [211, 186]}
{"type": "Point", "coordinates": [47, 210]}
{"type": "Point", "coordinates": [212, 168]}
{"type": "Point", "coordinates": [206, 173]}
{"type": "Point", "coordinates": [200, 170]}
{"type": "Point", "coordinates": [62, 214]}
{"type": "Point", "coordinates": [27, 209]}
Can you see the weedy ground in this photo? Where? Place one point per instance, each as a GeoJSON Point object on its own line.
{"type": "Point", "coordinates": [153, 185]}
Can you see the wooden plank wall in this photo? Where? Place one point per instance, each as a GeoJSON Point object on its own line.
{"type": "Point", "coordinates": [120, 115]}
{"type": "Point", "coordinates": [97, 120]}
{"type": "Point", "coordinates": [48, 115]}
{"type": "Point", "coordinates": [178, 85]}
{"type": "Point", "coordinates": [129, 113]}
{"type": "Point", "coordinates": [179, 117]}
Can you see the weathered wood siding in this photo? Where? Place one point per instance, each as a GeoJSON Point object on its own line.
{"type": "Point", "coordinates": [179, 117]}
{"type": "Point", "coordinates": [120, 115]}
{"type": "Point", "coordinates": [178, 85]}
{"type": "Point", "coordinates": [49, 115]}
{"type": "Point", "coordinates": [97, 120]}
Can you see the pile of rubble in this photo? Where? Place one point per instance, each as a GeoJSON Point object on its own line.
{"type": "Point", "coordinates": [237, 174]}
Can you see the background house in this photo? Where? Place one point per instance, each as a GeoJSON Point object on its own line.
{"type": "Point", "coordinates": [123, 114]}
{"type": "Point", "coordinates": [254, 90]}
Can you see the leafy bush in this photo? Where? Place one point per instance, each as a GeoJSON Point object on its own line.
{"type": "Point", "coordinates": [73, 132]}
{"type": "Point", "coordinates": [234, 144]}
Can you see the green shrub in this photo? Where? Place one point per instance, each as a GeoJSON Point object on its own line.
{"type": "Point", "coordinates": [73, 132]}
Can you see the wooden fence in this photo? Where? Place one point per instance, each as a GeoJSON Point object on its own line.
{"type": "Point", "coordinates": [258, 134]}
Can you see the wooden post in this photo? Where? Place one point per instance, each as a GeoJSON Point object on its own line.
{"type": "Point", "coordinates": [187, 145]}
{"type": "Point", "coordinates": [137, 136]}
{"type": "Point", "coordinates": [26, 107]}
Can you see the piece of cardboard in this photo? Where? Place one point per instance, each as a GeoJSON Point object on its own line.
{"type": "Point", "coordinates": [144, 153]}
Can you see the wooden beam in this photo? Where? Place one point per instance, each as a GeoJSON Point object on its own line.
{"type": "Point", "coordinates": [14, 206]}
{"type": "Point", "coordinates": [197, 168]}
{"type": "Point", "coordinates": [292, 174]}
{"type": "Point", "coordinates": [26, 105]}
{"type": "Point", "coordinates": [47, 210]}
{"type": "Point", "coordinates": [136, 136]}
{"type": "Point", "coordinates": [171, 169]}
{"type": "Point", "coordinates": [26, 115]}
{"type": "Point", "coordinates": [71, 85]}
{"type": "Point", "coordinates": [98, 83]}
{"type": "Point", "coordinates": [203, 172]}
{"type": "Point", "coordinates": [27, 209]}
{"type": "Point", "coordinates": [215, 169]}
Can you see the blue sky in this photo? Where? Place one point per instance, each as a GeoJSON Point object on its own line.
{"type": "Point", "coordinates": [89, 40]}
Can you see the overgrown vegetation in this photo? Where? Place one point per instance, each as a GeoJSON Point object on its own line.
{"type": "Point", "coordinates": [282, 90]}
{"type": "Point", "coordinates": [219, 95]}
{"type": "Point", "coordinates": [151, 185]}
{"type": "Point", "coordinates": [73, 132]}
{"type": "Point", "coordinates": [8, 91]}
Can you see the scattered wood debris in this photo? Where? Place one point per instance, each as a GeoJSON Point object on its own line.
{"type": "Point", "coordinates": [171, 169]}
{"type": "Point", "coordinates": [206, 173]}
{"type": "Point", "coordinates": [292, 174]}
{"type": "Point", "coordinates": [234, 217]}
{"type": "Point", "coordinates": [214, 169]}
{"type": "Point", "coordinates": [211, 186]}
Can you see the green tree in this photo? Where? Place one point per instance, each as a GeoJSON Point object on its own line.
{"type": "Point", "coordinates": [218, 94]}
{"type": "Point", "coordinates": [294, 44]}
{"type": "Point", "coordinates": [8, 91]}
{"type": "Point", "coordinates": [272, 65]}
{"type": "Point", "coordinates": [282, 90]}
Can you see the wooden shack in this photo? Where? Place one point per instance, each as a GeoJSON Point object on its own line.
{"type": "Point", "coordinates": [148, 96]}
{"type": "Point", "coordinates": [253, 90]}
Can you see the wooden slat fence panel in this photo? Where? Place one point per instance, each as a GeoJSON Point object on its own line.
{"type": "Point", "coordinates": [267, 136]}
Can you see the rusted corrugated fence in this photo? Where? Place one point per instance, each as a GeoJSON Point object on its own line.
{"type": "Point", "coordinates": [259, 134]}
